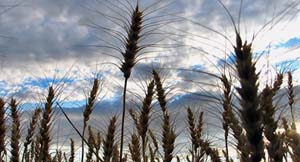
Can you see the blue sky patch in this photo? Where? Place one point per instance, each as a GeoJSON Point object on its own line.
{"type": "Point", "coordinates": [289, 65]}
{"type": "Point", "coordinates": [293, 42]}
{"type": "Point", "coordinates": [45, 82]}
{"type": "Point", "coordinates": [229, 60]}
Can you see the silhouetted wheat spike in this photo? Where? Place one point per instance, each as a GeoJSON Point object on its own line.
{"type": "Point", "coordinates": [115, 155]}
{"type": "Point", "coordinates": [161, 97]}
{"type": "Point", "coordinates": [58, 156]}
{"type": "Point", "coordinates": [108, 143]}
{"type": "Point", "coordinates": [37, 149]}
{"type": "Point", "coordinates": [199, 146]}
{"type": "Point", "coordinates": [198, 130]}
{"type": "Point", "coordinates": [72, 152]}
{"type": "Point", "coordinates": [15, 132]}
{"type": "Point", "coordinates": [168, 134]}
{"type": "Point", "coordinates": [291, 98]}
{"type": "Point", "coordinates": [293, 139]}
{"type": "Point", "coordinates": [226, 102]}
{"type": "Point", "coordinates": [27, 156]}
{"type": "Point", "coordinates": [142, 122]}
{"type": "Point", "coordinates": [65, 157]}
{"type": "Point", "coordinates": [32, 151]}
{"type": "Point", "coordinates": [88, 110]}
{"type": "Point", "coordinates": [270, 125]}
{"type": "Point", "coordinates": [130, 54]}
{"type": "Point", "coordinates": [192, 129]}
{"type": "Point", "coordinates": [132, 47]}
{"type": "Point", "coordinates": [213, 153]}
{"type": "Point", "coordinates": [31, 129]}
{"type": "Point", "coordinates": [91, 140]}
{"type": "Point", "coordinates": [233, 123]}
{"type": "Point", "coordinates": [250, 111]}
{"type": "Point", "coordinates": [195, 134]}
{"type": "Point", "coordinates": [98, 143]}
{"type": "Point", "coordinates": [275, 147]}
{"type": "Point", "coordinates": [145, 116]}
{"type": "Point", "coordinates": [152, 151]}
{"type": "Point", "coordinates": [2, 128]}
{"type": "Point", "coordinates": [45, 126]}
{"type": "Point", "coordinates": [135, 149]}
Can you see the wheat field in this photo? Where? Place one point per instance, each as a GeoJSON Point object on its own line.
{"type": "Point", "coordinates": [254, 120]}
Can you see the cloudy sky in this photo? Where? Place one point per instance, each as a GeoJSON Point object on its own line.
{"type": "Point", "coordinates": [70, 42]}
{"type": "Point", "coordinates": [67, 43]}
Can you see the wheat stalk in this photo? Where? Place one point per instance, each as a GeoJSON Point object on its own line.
{"type": "Point", "coordinates": [89, 108]}
{"type": "Point", "coordinates": [226, 102]}
{"type": "Point", "coordinates": [45, 138]}
{"type": "Point", "coordinates": [108, 143]}
{"type": "Point", "coordinates": [37, 149]}
{"type": "Point", "coordinates": [98, 143]}
{"type": "Point", "coordinates": [195, 134]}
{"type": "Point", "coordinates": [135, 148]}
{"type": "Point", "coordinates": [168, 133]}
{"type": "Point", "coordinates": [248, 91]}
{"type": "Point", "coordinates": [72, 152]}
{"type": "Point", "coordinates": [275, 147]}
{"type": "Point", "coordinates": [213, 153]}
{"type": "Point", "coordinates": [155, 143]}
{"type": "Point", "coordinates": [15, 132]}
{"type": "Point", "coordinates": [2, 128]}
{"type": "Point", "coordinates": [161, 97]}
{"type": "Point", "coordinates": [233, 123]}
{"type": "Point", "coordinates": [32, 151]}
{"type": "Point", "coordinates": [142, 122]}
{"type": "Point", "coordinates": [129, 56]}
{"type": "Point", "coordinates": [31, 129]}
{"type": "Point", "coordinates": [115, 155]}
{"type": "Point", "coordinates": [291, 98]}
{"type": "Point", "coordinates": [88, 111]}
{"type": "Point", "coordinates": [91, 140]}
{"type": "Point", "coordinates": [192, 129]}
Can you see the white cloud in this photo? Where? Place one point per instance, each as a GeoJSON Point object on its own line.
{"type": "Point", "coordinates": [45, 35]}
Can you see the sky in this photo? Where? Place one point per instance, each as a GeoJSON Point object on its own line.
{"type": "Point", "coordinates": [67, 43]}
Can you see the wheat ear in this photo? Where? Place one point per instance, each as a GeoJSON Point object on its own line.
{"type": "Point", "coordinates": [232, 121]}
{"type": "Point", "coordinates": [152, 151]}
{"type": "Point", "coordinates": [142, 122]}
{"type": "Point", "coordinates": [135, 149]}
{"type": "Point", "coordinates": [2, 128]}
{"type": "Point", "coordinates": [88, 111]}
{"type": "Point", "coordinates": [98, 143]}
{"type": "Point", "coordinates": [31, 129]}
{"type": "Point", "coordinates": [275, 147]}
{"type": "Point", "coordinates": [168, 133]}
{"type": "Point", "coordinates": [91, 140]}
{"type": "Point", "coordinates": [45, 126]}
{"type": "Point", "coordinates": [293, 140]}
{"type": "Point", "coordinates": [291, 98]}
{"type": "Point", "coordinates": [250, 112]}
{"type": "Point", "coordinates": [109, 142]}
{"type": "Point", "coordinates": [130, 54]}
{"type": "Point", "coordinates": [226, 102]}
{"type": "Point", "coordinates": [15, 132]}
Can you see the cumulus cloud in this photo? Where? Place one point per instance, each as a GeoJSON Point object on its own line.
{"type": "Point", "coordinates": [49, 39]}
